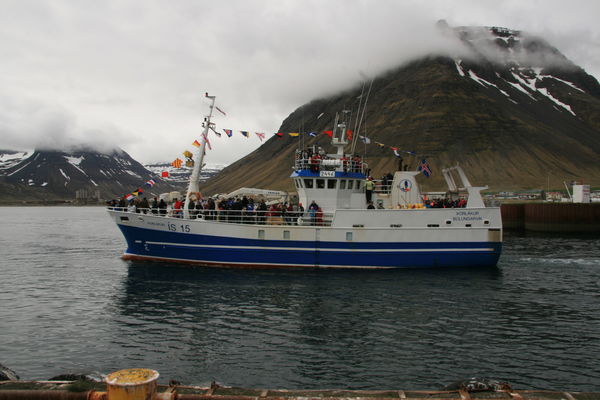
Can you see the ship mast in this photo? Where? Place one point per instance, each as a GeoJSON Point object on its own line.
{"type": "Point", "coordinates": [198, 159]}
{"type": "Point", "coordinates": [338, 139]}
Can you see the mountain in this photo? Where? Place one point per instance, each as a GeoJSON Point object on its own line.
{"type": "Point", "coordinates": [509, 107]}
{"type": "Point", "coordinates": [181, 176]}
{"type": "Point", "coordinates": [54, 176]}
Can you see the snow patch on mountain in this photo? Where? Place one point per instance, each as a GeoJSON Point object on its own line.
{"type": "Point", "coordinates": [483, 82]}
{"type": "Point", "coordinates": [63, 174]}
{"type": "Point", "coordinates": [10, 159]}
{"type": "Point", "coordinates": [571, 84]}
{"type": "Point", "coordinates": [459, 68]}
{"type": "Point", "coordinates": [133, 174]}
{"type": "Point", "coordinates": [74, 160]}
{"type": "Point", "coordinates": [545, 92]}
{"type": "Point", "coordinates": [14, 172]}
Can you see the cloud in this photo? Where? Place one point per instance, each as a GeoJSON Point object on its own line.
{"type": "Point", "coordinates": [29, 124]}
{"type": "Point", "coordinates": [135, 72]}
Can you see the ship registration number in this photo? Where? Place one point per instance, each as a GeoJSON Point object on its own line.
{"type": "Point", "coordinates": [178, 228]}
{"type": "Point", "coordinates": [327, 174]}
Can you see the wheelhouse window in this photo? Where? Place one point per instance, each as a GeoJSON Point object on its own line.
{"type": "Point", "coordinates": [343, 184]}
{"type": "Point", "coordinates": [331, 183]}
{"type": "Point", "coordinates": [358, 184]}
{"type": "Point", "coordinates": [320, 183]}
{"type": "Point", "coordinates": [308, 183]}
{"type": "Point", "coordinates": [350, 183]}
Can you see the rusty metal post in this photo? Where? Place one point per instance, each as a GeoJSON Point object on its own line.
{"type": "Point", "coordinates": [132, 384]}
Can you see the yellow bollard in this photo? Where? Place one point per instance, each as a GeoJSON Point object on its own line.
{"type": "Point", "coordinates": [132, 384]}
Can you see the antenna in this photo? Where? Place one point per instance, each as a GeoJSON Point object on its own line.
{"type": "Point", "coordinates": [362, 116]}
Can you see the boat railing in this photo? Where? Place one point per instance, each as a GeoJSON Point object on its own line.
{"type": "Point", "coordinates": [330, 164]}
{"type": "Point", "coordinates": [382, 187]}
{"type": "Point", "coordinates": [255, 217]}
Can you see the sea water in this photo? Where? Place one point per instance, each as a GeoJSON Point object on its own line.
{"type": "Point", "coordinates": [68, 303]}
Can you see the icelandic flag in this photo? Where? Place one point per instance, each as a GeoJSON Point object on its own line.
{"type": "Point", "coordinates": [228, 132]}
{"type": "Point", "coordinates": [424, 168]}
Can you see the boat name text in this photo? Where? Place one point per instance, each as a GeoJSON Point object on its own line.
{"type": "Point", "coordinates": [467, 216]}
{"type": "Point", "coordinates": [156, 223]}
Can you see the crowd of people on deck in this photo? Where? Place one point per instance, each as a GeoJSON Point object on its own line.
{"type": "Point", "coordinates": [446, 203]}
{"type": "Point", "coordinates": [245, 210]}
{"type": "Point", "coordinates": [312, 159]}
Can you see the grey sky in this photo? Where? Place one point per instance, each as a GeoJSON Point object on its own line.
{"type": "Point", "coordinates": [133, 73]}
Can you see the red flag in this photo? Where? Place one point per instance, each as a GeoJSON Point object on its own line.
{"type": "Point", "coordinates": [165, 174]}
{"type": "Point", "coordinates": [349, 134]}
{"type": "Point", "coordinates": [279, 134]}
{"type": "Point", "coordinates": [329, 133]}
{"type": "Point", "coordinates": [196, 143]}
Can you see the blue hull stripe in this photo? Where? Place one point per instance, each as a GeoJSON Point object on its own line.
{"type": "Point", "coordinates": [320, 249]}
{"type": "Point", "coordinates": [215, 250]}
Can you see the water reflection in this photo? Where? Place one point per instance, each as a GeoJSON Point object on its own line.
{"type": "Point", "coordinates": [301, 327]}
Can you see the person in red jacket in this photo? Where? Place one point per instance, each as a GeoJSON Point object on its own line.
{"type": "Point", "coordinates": [177, 207]}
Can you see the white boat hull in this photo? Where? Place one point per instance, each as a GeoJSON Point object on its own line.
{"type": "Point", "coordinates": [355, 239]}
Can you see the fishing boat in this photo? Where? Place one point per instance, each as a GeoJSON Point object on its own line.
{"type": "Point", "coordinates": [397, 228]}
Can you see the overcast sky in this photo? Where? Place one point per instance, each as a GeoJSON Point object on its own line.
{"type": "Point", "coordinates": [133, 74]}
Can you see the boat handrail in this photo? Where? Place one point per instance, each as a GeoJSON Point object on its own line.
{"type": "Point", "coordinates": [255, 217]}
{"type": "Point", "coordinates": [330, 164]}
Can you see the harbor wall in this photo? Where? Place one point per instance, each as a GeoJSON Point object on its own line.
{"type": "Point", "coordinates": [551, 217]}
